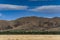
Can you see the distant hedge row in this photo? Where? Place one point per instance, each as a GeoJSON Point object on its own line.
{"type": "Point", "coordinates": [24, 32]}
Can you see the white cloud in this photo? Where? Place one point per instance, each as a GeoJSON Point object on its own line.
{"type": "Point", "coordinates": [47, 9]}
{"type": "Point", "coordinates": [0, 14]}
{"type": "Point", "coordinates": [12, 7]}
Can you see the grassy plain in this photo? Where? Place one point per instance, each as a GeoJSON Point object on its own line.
{"type": "Point", "coordinates": [29, 37]}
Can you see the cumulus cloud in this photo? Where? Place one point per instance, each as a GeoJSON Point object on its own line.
{"type": "Point", "coordinates": [12, 7]}
{"type": "Point", "coordinates": [47, 9]}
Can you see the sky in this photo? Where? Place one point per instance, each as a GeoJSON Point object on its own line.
{"type": "Point", "coordinates": [13, 9]}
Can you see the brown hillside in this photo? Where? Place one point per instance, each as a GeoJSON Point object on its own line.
{"type": "Point", "coordinates": [31, 23]}
{"type": "Point", "coordinates": [4, 25]}
{"type": "Point", "coordinates": [36, 23]}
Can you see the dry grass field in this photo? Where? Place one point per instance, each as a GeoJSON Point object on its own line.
{"type": "Point", "coordinates": [29, 37]}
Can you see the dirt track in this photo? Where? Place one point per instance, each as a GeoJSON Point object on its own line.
{"type": "Point", "coordinates": [29, 37]}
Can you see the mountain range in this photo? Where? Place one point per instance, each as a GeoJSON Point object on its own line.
{"type": "Point", "coordinates": [31, 23]}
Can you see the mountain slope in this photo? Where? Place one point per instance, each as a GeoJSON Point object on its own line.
{"type": "Point", "coordinates": [31, 23]}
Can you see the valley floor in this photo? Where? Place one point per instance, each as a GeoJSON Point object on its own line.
{"type": "Point", "coordinates": [29, 37]}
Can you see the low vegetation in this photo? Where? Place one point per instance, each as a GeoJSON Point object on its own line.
{"type": "Point", "coordinates": [29, 32]}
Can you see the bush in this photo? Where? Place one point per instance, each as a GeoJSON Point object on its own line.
{"type": "Point", "coordinates": [33, 32]}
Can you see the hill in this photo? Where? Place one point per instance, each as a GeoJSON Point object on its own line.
{"type": "Point", "coordinates": [32, 23]}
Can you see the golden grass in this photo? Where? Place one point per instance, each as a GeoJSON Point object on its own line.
{"type": "Point", "coordinates": [29, 37]}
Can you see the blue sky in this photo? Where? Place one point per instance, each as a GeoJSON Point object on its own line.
{"type": "Point", "coordinates": [13, 9]}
